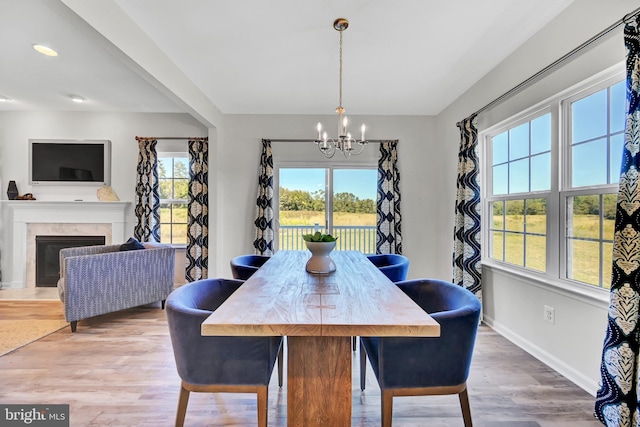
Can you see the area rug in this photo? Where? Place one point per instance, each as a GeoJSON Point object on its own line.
{"type": "Point", "coordinates": [16, 333]}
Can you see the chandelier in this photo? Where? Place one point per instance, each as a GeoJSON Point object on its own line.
{"type": "Point", "coordinates": [344, 141]}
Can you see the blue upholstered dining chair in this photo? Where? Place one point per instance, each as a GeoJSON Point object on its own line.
{"type": "Point", "coordinates": [427, 366]}
{"type": "Point", "coordinates": [394, 266]}
{"type": "Point", "coordinates": [243, 266]}
{"type": "Point", "coordinates": [217, 364]}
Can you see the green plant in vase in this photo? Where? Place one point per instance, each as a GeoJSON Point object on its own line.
{"type": "Point", "coordinates": [319, 237]}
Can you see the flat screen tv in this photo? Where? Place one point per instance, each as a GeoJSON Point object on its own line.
{"type": "Point", "coordinates": [69, 162]}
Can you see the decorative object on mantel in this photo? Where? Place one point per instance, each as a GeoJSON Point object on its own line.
{"type": "Point", "coordinates": [344, 142]}
{"type": "Point", "coordinates": [12, 190]}
{"type": "Point", "coordinates": [27, 196]}
{"type": "Point", "coordinates": [106, 194]}
{"type": "Point", "coordinates": [320, 245]}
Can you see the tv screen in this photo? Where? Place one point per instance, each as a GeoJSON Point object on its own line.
{"type": "Point", "coordinates": [69, 162]}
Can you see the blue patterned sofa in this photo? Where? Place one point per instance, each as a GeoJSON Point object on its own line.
{"type": "Point", "coordinates": [95, 280]}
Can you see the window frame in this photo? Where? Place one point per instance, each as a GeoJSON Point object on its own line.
{"type": "Point", "coordinates": [174, 154]}
{"type": "Point", "coordinates": [556, 274]}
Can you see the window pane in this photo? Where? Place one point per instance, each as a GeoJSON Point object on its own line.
{"type": "Point", "coordinates": [181, 167]}
{"type": "Point", "coordinates": [541, 134]}
{"type": "Point", "coordinates": [588, 166]}
{"type": "Point", "coordinates": [500, 148]}
{"type": "Point", "coordinates": [498, 215]}
{"type": "Point", "coordinates": [179, 213]}
{"type": "Point", "coordinates": [541, 172]}
{"type": "Point", "coordinates": [515, 216]}
{"type": "Point", "coordinates": [514, 252]}
{"type": "Point", "coordinates": [519, 176]}
{"type": "Point", "coordinates": [179, 235]}
{"type": "Point", "coordinates": [164, 188]}
{"type": "Point", "coordinates": [536, 216]}
{"type": "Point", "coordinates": [165, 167]}
{"type": "Point", "coordinates": [589, 117]}
{"type": "Point", "coordinates": [497, 245]}
{"type": "Point", "coordinates": [615, 158]}
{"type": "Point", "coordinates": [519, 141]}
{"type": "Point", "coordinates": [585, 217]}
{"type": "Point", "coordinates": [585, 261]}
{"type": "Point", "coordinates": [165, 233]}
{"type": "Point", "coordinates": [181, 189]}
{"type": "Point", "coordinates": [536, 252]}
{"type": "Point", "coordinates": [501, 179]}
{"type": "Point", "coordinates": [618, 105]}
{"type": "Point", "coordinates": [165, 212]}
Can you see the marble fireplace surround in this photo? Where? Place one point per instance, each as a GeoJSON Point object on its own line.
{"type": "Point", "coordinates": [24, 220]}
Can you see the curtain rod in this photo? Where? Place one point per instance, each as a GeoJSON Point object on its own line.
{"type": "Point", "coordinates": [171, 137]}
{"type": "Point", "coordinates": [373, 141]}
{"type": "Point", "coordinates": [554, 64]}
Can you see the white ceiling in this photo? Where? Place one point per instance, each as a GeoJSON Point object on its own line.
{"type": "Point", "coordinates": [401, 57]}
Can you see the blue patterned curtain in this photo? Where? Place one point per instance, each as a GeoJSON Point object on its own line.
{"type": "Point", "coordinates": [263, 242]}
{"type": "Point", "coordinates": [198, 210]}
{"type": "Point", "coordinates": [147, 208]}
{"type": "Point", "coordinates": [389, 236]}
{"type": "Point", "coordinates": [617, 400]}
{"type": "Point", "coordinates": [466, 234]}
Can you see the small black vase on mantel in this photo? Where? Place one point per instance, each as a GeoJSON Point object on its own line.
{"type": "Point", "coordinates": [12, 190]}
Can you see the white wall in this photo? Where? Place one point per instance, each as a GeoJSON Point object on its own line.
{"type": "Point", "coordinates": [419, 173]}
{"type": "Point", "coordinates": [514, 305]}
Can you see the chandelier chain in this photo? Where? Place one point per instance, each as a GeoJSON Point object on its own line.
{"type": "Point", "coordinates": [340, 103]}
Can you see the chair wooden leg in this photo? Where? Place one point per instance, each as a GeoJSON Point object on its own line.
{"type": "Point", "coordinates": [74, 325]}
{"type": "Point", "coordinates": [280, 365]}
{"type": "Point", "coordinates": [263, 393]}
{"type": "Point", "coordinates": [466, 409]}
{"type": "Point", "coordinates": [387, 407]}
{"type": "Point", "coordinates": [183, 400]}
{"type": "Point", "coordinates": [363, 367]}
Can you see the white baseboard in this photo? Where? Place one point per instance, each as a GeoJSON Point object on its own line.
{"type": "Point", "coordinates": [576, 377]}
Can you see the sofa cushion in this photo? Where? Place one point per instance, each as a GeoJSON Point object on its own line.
{"type": "Point", "coordinates": [131, 245]}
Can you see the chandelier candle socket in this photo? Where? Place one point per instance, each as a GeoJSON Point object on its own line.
{"type": "Point", "coordinates": [344, 141]}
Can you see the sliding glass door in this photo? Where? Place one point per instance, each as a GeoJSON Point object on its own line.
{"type": "Point", "coordinates": [339, 201]}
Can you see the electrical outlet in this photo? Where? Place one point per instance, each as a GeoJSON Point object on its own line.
{"type": "Point", "coordinates": [549, 314]}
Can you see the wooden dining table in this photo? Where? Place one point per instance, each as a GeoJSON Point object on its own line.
{"type": "Point", "coordinates": [319, 314]}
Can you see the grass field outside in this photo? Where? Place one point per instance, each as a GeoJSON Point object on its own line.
{"type": "Point", "coordinates": [589, 256]}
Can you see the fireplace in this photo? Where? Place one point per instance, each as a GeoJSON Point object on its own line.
{"type": "Point", "coordinates": [48, 255]}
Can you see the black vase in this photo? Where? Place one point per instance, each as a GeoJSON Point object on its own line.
{"type": "Point", "coordinates": [12, 190]}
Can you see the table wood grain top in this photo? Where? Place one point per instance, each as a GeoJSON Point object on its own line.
{"type": "Point", "coordinates": [281, 298]}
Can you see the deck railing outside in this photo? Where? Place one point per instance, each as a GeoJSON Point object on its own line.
{"type": "Point", "coordinates": [350, 237]}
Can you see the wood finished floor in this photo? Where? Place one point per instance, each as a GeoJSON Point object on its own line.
{"type": "Point", "coordinates": [118, 370]}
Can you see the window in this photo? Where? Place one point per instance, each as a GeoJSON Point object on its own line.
{"type": "Point", "coordinates": [595, 134]}
{"type": "Point", "coordinates": [521, 181]}
{"type": "Point", "coordinates": [173, 172]}
{"type": "Point", "coordinates": [340, 201]}
{"type": "Point", "coordinates": [551, 184]}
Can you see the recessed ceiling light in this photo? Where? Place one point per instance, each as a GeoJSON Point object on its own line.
{"type": "Point", "coordinates": [4, 99]}
{"type": "Point", "coordinates": [76, 98]}
{"type": "Point", "coordinates": [45, 50]}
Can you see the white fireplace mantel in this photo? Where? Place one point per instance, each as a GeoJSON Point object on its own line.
{"type": "Point", "coordinates": [18, 214]}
